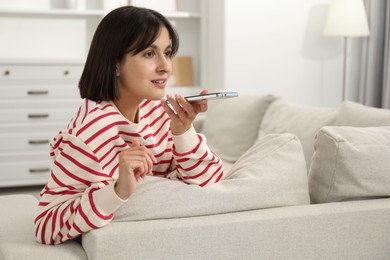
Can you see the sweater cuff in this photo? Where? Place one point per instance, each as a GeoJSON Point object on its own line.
{"type": "Point", "coordinates": [187, 141]}
{"type": "Point", "coordinates": [107, 199]}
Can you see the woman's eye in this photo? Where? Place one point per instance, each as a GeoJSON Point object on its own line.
{"type": "Point", "coordinates": [149, 54]}
{"type": "Point", "coordinates": [168, 53]}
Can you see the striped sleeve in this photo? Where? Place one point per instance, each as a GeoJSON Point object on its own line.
{"type": "Point", "coordinates": [194, 162]}
{"type": "Point", "coordinates": [79, 195]}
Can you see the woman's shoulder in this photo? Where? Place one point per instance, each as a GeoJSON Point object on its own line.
{"type": "Point", "coordinates": [92, 111]}
{"type": "Point", "coordinates": [89, 120]}
{"type": "Point", "coordinates": [91, 116]}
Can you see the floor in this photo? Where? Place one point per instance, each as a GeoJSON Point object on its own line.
{"type": "Point", "coordinates": [33, 190]}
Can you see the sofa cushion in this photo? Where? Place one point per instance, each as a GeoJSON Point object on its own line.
{"type": "Point", "coordinates": [17, 240]}
{"type": "Point", "coordinates": [272, 173]}
{"type": "Point", "coordinates": [350, 163]}
{"type": "Point", "coordinates": [231, 126]}
{"type": "Point", "coordinates": [355, 114]}
{"type": "Point", "coordinates": [302, 121]}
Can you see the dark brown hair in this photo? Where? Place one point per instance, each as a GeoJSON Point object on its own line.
{"type": "Point", "coordinates": [124, 30]}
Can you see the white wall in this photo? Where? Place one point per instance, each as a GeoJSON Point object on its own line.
{"type": "Point", "coordinates": [277, 47]}
{"type": "Point", "coordinates": [258, 46]}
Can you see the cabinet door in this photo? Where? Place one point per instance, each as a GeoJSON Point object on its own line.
{"type": "Point", "coordinates": [25, 142]}
{"type": "Point", "coordinates": [22, 128]}
{"type": "Point", "coordinates": [39, 91]}
{"type": "Point", "coordinates": [25, 170]}
{"type": "Point", "coordinates": [18, 72]}
{"type": "Point", "coordinates": [45, 104]}
{"type": "Point", "coordinates": [36, 115]}
{"type": "Point", "coordinates": [24, 174]}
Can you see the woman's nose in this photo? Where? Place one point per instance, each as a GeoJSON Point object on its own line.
{"type": "Point", "coordinates": [165, 64]}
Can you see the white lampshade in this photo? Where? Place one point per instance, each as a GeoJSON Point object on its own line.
{"type": "Point", "coordinates": [347, 18]}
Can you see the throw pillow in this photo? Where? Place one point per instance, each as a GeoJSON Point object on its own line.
{"type": "Point", "coordinates": [231, 125]}
{"type": "Point", "coordinates": [350, 163]}
{"type": "Point", "coordinates": [272, 173]}
{"type": "Point", "coordinates": [355, 114]}
{"type": "Point", "coordinates": [302, 121]}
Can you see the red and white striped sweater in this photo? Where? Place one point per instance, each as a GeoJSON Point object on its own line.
{"type": "Point", "coordinates": [80, 194]}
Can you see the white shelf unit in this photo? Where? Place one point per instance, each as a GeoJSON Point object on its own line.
{"type": "Point", "coordinates": [37, 99]}
{"type": "Point", "coordinates": [41, 58]}
{"type": "Point", "coordinates": [76, 29]}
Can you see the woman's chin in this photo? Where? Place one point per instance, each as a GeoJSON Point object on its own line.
{"type": "Point", "coordinates": [158, 96]}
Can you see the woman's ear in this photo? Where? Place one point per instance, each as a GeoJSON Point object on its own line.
{"type": "Point", "coordinates": [117, 70]}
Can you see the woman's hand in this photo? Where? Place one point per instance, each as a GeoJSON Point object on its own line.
{"type": "Point", "coordinates": [134, 162]}
{"type": "Point", "coordinates": [182, 112]}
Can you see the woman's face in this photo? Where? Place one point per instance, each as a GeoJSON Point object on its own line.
{"type": "Point", "coordinates": [145, 75]}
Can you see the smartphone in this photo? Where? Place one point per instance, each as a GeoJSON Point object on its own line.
{"type": "Point", "coordinates": [215, 95]}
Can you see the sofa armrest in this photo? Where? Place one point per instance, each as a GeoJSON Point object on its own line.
{"type": "Point", "coordinates": [343, 230]}
{"type": "Point", "coordinates": [17, 240]}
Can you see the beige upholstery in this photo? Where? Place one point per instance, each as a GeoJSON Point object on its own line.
{"type": "Point", "coordinates": [236, 122]}
{"type": "Point", "coordinates": [350, 163]}
{"type": "Point", "coordinates": [355, 114]}
{"type": "Point", "coordinates": [344, 230]}
{"type": "Point", "coordinates": [17, 240]}
{"type": "Point", "coordinates": [302, 121]}
{"type": "Point", "coordinates": [272, 173]}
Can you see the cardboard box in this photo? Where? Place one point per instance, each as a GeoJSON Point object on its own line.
{"type": "Point", "coordinates": [182, 71]}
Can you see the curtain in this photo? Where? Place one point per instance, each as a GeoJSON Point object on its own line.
{"type": "Point", "coordinates": [374, 82]}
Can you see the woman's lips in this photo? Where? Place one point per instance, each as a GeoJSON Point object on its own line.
{"type": "Point", "coordinates": [160, 83]}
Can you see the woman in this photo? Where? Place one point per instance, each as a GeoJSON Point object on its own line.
{"type": "Point", "coordinates": [124, 130]}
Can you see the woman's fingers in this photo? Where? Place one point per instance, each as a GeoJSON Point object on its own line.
{"type": "Point", "coordinates": [135, 143]}
{"type": "Point", "coordinates": [176, 107]}
{"type": "Point", "coordinates": [186, 107]}
{"type": "Point", "coordinates": [180, 111]}
{"type": "Point", "coordinates": [138, 159]}
{"type": "Point", "coordinates": [168, 108]}
{"type": "Point", "coordinates": [200, 105]}
{"type": "Point", "coordinates": [134, 162]}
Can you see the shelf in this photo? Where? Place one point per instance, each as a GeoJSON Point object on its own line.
{"type": "Point", "coordinates": [171, 15]}
{"type": "Point", "coordinates": [82, 13]}
{"type": "Point", "coordinates": [52, 12]}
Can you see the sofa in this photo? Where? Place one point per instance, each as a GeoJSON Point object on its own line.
{"type": "Point", "coordinates": [301, 182]}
